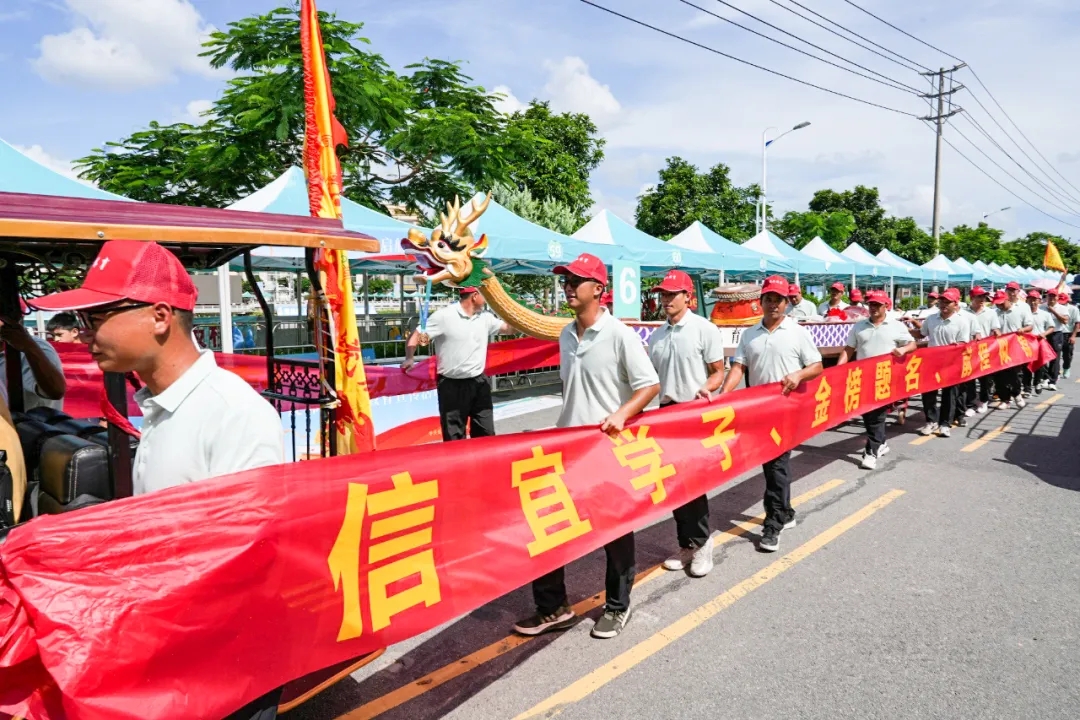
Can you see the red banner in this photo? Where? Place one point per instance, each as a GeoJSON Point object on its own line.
{"type": "Point", "coordinates": [236, 585]}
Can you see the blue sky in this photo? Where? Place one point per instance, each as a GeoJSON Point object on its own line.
{"type": "Point", "coordinates": [80, 72]}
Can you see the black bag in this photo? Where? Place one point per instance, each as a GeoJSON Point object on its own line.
{"type": "Point", "coordinates": [7, 493]}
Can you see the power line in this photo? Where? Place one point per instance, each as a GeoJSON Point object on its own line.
{"type": "Point", "coordinates": [891, 83]}
{"type": "Point", "coordinates": [902, 31]}
{"type": "Point", "coordinates": [917, 65]}
{"type": "Point", "coordinates": [644, 24]}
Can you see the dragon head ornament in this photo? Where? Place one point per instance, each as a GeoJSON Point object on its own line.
{"type": "Point", "coordinates": [451, 256]}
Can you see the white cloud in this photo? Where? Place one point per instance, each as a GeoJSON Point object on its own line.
{"type": "Point", "coordinates": [509, 104]}
{"type": "Point", "coordinates": [39, 155]}
{"type": "Point", "coordinates": [572, 89]}
{"type": "Point", "coordinates": [125, 44]}
{"type": "Point", "coordinates": [193, 111]}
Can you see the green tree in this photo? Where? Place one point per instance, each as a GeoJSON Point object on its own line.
{"type": "Point", "coordinates": [864, 205]}
{"type": "Point", "coordinates": [974, 243]}
{"type": "Point", "coordinates": [1030, 250]}
{"type": "Point", "coordinates": [904, 237]}
{"type": "Point", "coordinates": [415, 138]}
{"type": "Point", "coordinates": [684, 195]}
{"type": "Point", "coordinates": [559, 166]}
{"type": "Point", "coordinates": [833, 227]}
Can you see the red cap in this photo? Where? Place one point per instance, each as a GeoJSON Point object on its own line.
{"type": "Point", "coordinates": [468, 291]}
{"type": "Point", "coordinates": [932, 296]}
{"type": "Point", "coordinates": [856, 295]}
{"type": "Point", "coordinates": [794, 289]}
{"type": "Point", "coordinates": [1013, 286]}
{"type": "Point", "coordinates": [606, 298]}
{"type": "Point", "coordinates": [585, 266]}
{"type": "Point", "coordinates": [775, 284]}
{"type": "Point", "coordinates": [1000, 297]}
{"type": "Point", "coordinates": [1063, 297]}
{"type": "Point", "coordinates": [675, 281]}
{"type": "Point", "coordinates": [877, 296]}
{"type": "Point", "coordinates": [952, 295]}
{"type": "Point", "coordinates": [129, 270]}
{"type": "Point", "coordinates": [977, 290]}
{"type": "Point", "coordinates": [1034, 295]}
{"type": "Point", "coordinates": [838, 286]}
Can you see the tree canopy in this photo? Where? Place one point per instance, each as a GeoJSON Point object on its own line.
{"type": "Point", "coordinates": [684, 195]}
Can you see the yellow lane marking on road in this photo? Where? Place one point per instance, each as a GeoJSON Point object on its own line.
{"type": "Point", "coordinates": [988, 437]}
{"type": "Point", "coordinates": [922, 440]}
{"type": "Point", "coordinates": [486, 654]}
{"type": "Point", "coordinates": [649, 647]}
{"type": "Point", "coordinates": [1049, 401]}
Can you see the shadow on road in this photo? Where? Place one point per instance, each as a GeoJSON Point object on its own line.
{"type": "Point", "coordinates": [1054, 460]}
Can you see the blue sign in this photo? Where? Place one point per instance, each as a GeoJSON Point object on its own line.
{"type": "Point", "coordinates": [626, 289]}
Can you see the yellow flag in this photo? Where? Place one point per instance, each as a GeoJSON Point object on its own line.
{"type": "Point", "coordinates": [1052, 259]}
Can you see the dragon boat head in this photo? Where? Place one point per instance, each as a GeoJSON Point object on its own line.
{"type": "Point", "coordinates": [451, 256]}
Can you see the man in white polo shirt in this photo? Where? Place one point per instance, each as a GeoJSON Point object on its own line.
{"type": "Point", "coordinates": [1013, 316]}
{"type": "Point", "coordinates": [799, 307]}
{"type": "Point", "coordinates": [199, 420]}
{"type": "Point", "coordinates": [607, 379]}
{"type": "Point", "coordinates": [776, 350]}
{"type": "Point", "coordinates": [1070, 333]}
{"type": "Point", "coordinates": [835, 301]}
{"type": "Point", "coordinates": [872, 337]}
{"type": "Point", "coordinates": [1042, 324]}
{"type": "Point", "coordinates": [1059, 323]}
{"type": "Point", "coordinates": [947, 327]}
{"type": "Point", "coordinates": [460, 333]}
{"type": "Point", "coordinates": [43, 383]}
{"type": "Point", "coordinates": [688, 354]}
{"type": "Point", "coordinates": [977, 392]}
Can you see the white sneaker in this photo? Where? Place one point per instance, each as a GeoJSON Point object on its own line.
{"type": "Point", "coordinates": [883, 450]}
{"type": "Point", "coordinates": [680, 561]}
{"type": "Point", "coordinates": [944, 431]}
{"type": "Point", "coordinates": [1051, 386]}
{"type": "Point", "coordinates": [970, 412]}
{"type": "Point", "coordinates": [928, 429]}
{"type": "Point", "coordinates": [1065, 374]}
{"type": "Point", "coordinates": [1002, 405]}
{"type": "Point", "coordinates": [869, 461]}
{"type": "Point", "coordinates": [702, 561]}
{"type": "Point", "coordinates": [790, 524]}
{"type": "Point", "coordinates": [1021, 402]}
{"type": "Point", "coordinates": [981, 409]}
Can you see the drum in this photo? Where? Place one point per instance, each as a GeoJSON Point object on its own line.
{"type": "Point", "coordinates": [737, 305]}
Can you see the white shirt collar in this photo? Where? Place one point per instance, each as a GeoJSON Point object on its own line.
{"type": "Point", "coordinates": [173, 396]}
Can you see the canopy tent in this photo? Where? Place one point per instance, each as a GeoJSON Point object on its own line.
{"type": "Point", "coordinates": [21, 174]}
{"type": "Point", "coordinates": [654, 256]}
{"type": "Point", "coordinates": [952, 274]}
{"type": "Point", "coordinates": [737, 260]}
{"type": "Point", "coordinates": [821, 250]}
{"type": "Point", "coordinates": [804, 266]}
{"type": "Point", "coordinates": [898, 275]}
{"type": "Point", "coordinates": [988, 274]}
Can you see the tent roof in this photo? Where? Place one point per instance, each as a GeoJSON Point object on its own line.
{"type": "Point", "coordinates": [821, 250]}
{"type": "Point", "coordinates": [735, 258]}
{"type": "Point", "coordinates": [942, 265]}
{"type": "Point", "coordinates": [859, 254]}
{"type": "Point", "coordinates": [21, 174]}
{"type": "Point", "coordinates": [769, 244]}
{"type": "Point", "coordinates": [605, 228]}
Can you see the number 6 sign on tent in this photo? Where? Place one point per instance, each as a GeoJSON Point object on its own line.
{"type": "Point", "coordinates": [627, 290]}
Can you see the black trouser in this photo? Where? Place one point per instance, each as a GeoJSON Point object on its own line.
{"type": "Point", "coordinates": [465, 400]}
{"type": "Point", "coordinates": [1007, 383]}
{"type": "Point", "coordinates": [263, 708]}
{"type": "Point", "coordinates": [692, 519]}
{"type": "Point", "coordinates": [1053, 368]}
{"type": "Point", "coordinates": [778, 510]}
{"type": "Point", "coordinates": [1066, 352]}
{"type": "Point", "coordinates": [875, 429]}
{"type": "Point", "coordinates": [960, 403]}
{"type": "Point", "coordinates": [942, 415]}
{"type": "Point", "coordinates": [549, 591]}
{"type": "Point", "coordinates": [1028, 379]}
{"type": "Point", "coordinates": [980, 395]}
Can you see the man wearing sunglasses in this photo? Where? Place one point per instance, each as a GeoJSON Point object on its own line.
{"type": "Point", "coordinates": [43, 375]}
{"type": "Point", "coordinates": [607, 379]}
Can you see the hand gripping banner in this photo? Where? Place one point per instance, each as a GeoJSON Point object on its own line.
{"type": "Point", "coordinates": [189, 602]}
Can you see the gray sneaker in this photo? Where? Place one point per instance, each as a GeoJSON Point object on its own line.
{"type": "Point", "coordinates": [928, 429]}
{"type": "Point", "coordinates": [702, 561]}
{"type": "Point", "coordinates": [561, 619]}
{"type": "Point", "coordinates": [611, 624]}
{"type": "Point", "coordinates": [944, 431]}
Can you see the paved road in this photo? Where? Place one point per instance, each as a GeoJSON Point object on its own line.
{"type": "Point", "coordinates": [945, 584]}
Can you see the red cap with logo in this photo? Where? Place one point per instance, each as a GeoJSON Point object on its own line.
{"type": "Point", "coordinates": [466, 291]}
{"type": "Point", "coordinates": [675, 281]}
{"type": "Point", "coordinates": [856, 295]}
{"type": "Point", "coordinates": [877, 296]}
{"type": "Point", "coordinates": [1000, 297]}
{"type": "Point", "coordinates": [794, 289]}
{"type": "Point", "coordinates": [585, 266]}
{"type": "Point", "coordinates": [1063, 297]}
{"type": "Point", "coordinates": [1034, 295]}
{"type": "Point", "coordinates": [838, 286]}
{"type": "Point", "coordinates": [952, 295]}
{"type": "Point", "coordinates": [932, 296]}
{"type": "Point", "coordinates": [129, 270]}
{"type": "Point", "coordinates": [977, 290]}
{"type": "Point", "coordinates": [1013, 286]}
{"type": "Point", "coordinates": [775, 284]}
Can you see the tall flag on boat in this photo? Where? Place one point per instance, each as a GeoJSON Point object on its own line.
{"type": "Point", "coordinates": [1052, 258]}
{"type": "Point", "coordinates": [352, 420]}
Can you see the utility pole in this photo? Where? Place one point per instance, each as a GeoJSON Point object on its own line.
{"type": "Point", "coordinates": [940, 119]}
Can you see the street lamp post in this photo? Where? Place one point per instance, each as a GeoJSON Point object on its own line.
{"type": "Point", "coordinates": [765, 143]}
{"type": "Point", "coordinates": [995, 212]}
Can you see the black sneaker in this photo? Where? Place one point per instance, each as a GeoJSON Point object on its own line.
{"type": "Point", "coordinates": [538, 624]}
{"type": "Point", "coordinates": [962, 422]}
{"type": "Point", "coordinates": [770, 540]}
{"type": "Point", "coordinates": [611, 624]}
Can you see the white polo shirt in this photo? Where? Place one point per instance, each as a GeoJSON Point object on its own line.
{"type": "Point", "coordinates": [957, 328]}
{"type": "Point", "coordinates": [461, 340]}
{"type": "Point", "coordinates": [1056, 322]}
{"type": "Point", "coordinates": [870, 340]}
{"type": "Point", "coordinates": [601, 371]}
{"type": "Point", "coordinates": [32, 397]}
{"type": "Point", "coordinates": [804, 310]}
{"type": "Point", "coordinates": [986, 321]}
{"type": "Point", "coordinates": [1016, 317]}
{"type": "Point", "coordinates": [824, 308]}
{"type": "Point", "coordinates": [771, 356]}
{"type": "Point", "coordinates": [207, 423]}
{"type": "Point", "coordinates": [1074, 317]}
{"type": "Point", "coordinates": [681, 354]}
{"type": "Point", "coordinates": [1041, 321]}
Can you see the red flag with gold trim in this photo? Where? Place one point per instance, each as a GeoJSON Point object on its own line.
{"type": "Point", "coordinates": [323, 171]}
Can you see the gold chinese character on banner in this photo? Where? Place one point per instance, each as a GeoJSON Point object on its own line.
{"type": "Point", "coordinates": [965, 363]}
{"type": "Point", "coordinates": [722, 435]}
{"type": "Point", "coordinates": [393, 555]}
{"type": "Point", "coordinates": [1025, 345]}
{"type": "Point", "coordinates": [883, 380]}
{"type": "Point", "coordinates": [540, 485]}
{"type": "Point", "coordinates": [853, 390]}
{"type": "Point", "coordinates": [1003, 352]}
{"type": "Point", "coordinates": [984, 356]}
{"type": "Point", "coordinates": [911, 374]}
{"type": "Point", "coordinates": [823, 396]}
{"type": "Point", "coordinates": [641, 452]}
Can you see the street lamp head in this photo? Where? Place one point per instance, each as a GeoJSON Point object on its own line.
{"type": "Point", "coordinates": [801, 125]}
